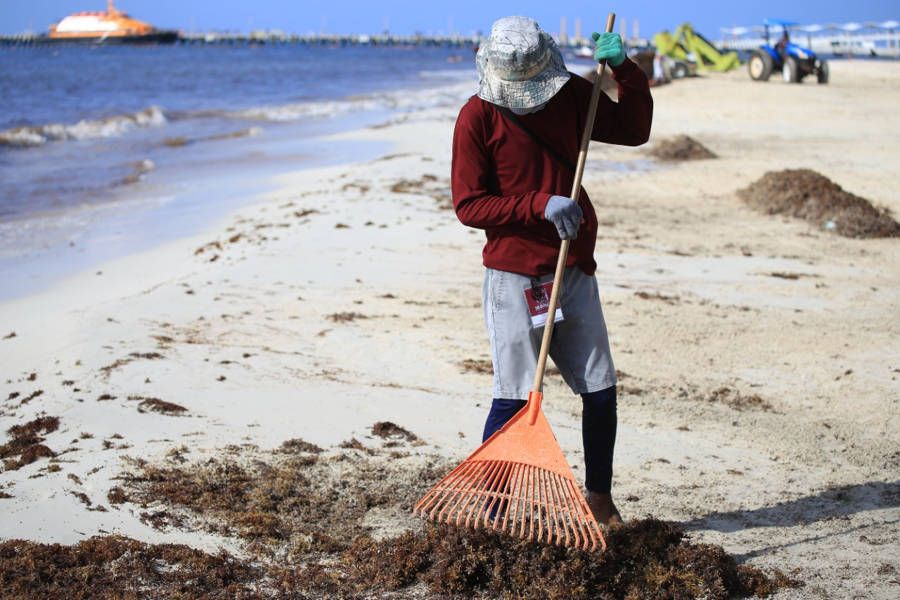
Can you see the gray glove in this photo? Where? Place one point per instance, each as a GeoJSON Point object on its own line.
{"type": "Point", "coordinates": [565, 214]}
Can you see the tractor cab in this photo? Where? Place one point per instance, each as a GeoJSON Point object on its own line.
{"type": "Point", "coordinates": [795, 62]}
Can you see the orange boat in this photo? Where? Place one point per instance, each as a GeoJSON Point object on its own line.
{"type": "Point", "coordinates": [109, 27]}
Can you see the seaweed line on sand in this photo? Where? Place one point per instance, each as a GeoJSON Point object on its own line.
{"type": "Point", "coordinates": [302, 520]}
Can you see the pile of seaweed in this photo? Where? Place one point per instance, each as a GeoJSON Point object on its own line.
{"type": "Point", "coordinates": [806, 194]}
{"type": "Point", "coordinates": [118, 567]}
{"type": "Point", "coordinates": [680, 147]}
{"type": "Point", "coordinates": [304, 517]}
{"type": "Point", "coordinates": [646, 558]}
{"type": "Point", "coordinates": [25, 442]}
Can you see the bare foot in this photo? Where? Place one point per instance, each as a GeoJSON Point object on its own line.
{"type": "Point", "coordinates": [603, 508]}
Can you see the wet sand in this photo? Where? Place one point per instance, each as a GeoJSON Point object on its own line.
{"type": "Point", "coordinates": [759, 402]}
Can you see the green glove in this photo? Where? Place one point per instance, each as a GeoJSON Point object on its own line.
{"type": "Point", "coordinates": [609, 47]}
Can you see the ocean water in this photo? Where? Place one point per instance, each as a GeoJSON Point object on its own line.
{"type": "Point", "coordinates": [108, 150]}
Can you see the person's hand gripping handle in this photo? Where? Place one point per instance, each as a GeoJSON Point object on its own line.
{"type": "Point", "coordinates": [609, 47]}
{"type": "Point", "coordinates": [565, 214]}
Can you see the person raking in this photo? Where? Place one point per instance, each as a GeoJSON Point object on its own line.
{"type": "Point", "coordinates": [515, 145]}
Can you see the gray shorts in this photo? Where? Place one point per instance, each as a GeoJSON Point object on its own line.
{"type": "Point", "coordinates": [579, 347]}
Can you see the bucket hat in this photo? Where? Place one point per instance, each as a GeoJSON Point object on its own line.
{"type": "Point", "coordinates": [520, 65]}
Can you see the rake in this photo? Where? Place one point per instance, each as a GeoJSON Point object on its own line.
{"type": "Point", "coordinates": [518, 481]}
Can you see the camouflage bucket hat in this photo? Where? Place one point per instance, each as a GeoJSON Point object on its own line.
{"type": "Point", "coordinates": [520, 65]}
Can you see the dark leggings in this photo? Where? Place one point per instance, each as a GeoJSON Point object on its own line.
{"type": "Point", "coordinates": [598, 431]}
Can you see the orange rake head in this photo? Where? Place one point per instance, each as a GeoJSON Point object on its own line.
{"type": "Point", "coordinates": [532, 496]}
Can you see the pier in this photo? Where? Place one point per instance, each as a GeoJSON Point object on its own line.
{"type": "Point", "coordinates": [276, 37]}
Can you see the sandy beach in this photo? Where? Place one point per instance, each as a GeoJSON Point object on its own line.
{"type": "Point", "coordinates": [759, 355]}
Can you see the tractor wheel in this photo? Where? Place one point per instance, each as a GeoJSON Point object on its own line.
{"type": "Point", "coordinates": [822, 74]}
{"type": "Point", "coordinates": [679, 71]}
{"type": "Point", "coordinates": [760, 66]}
{"type": "Point", "coordinates": [791, 70]}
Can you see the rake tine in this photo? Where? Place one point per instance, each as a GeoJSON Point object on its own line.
{"type": "Point", "coordinates": [491, 474]}
{"type": "Point", "coordinates": [529, 498]}
{"type": "Point", "coordinates": [593, 526]}
{"type": "Point", "coordinates": [550, 515]}
{"type": "Point", "coordinates": [539, 511]}
{"type": "Point", "coordinates": [522, 501]}
{"type": "Point", "coordinates": [490, 501]}
{"type": "Point", "coordinates": [436, 494]}
{"type": "Point", "coordinates": [567, 510]}
{"type": "Point", "coordinates": [576, 514]}
{"type": "Point", "coordinates": [464, 498]}
{"type": "Point", "coordinates": [435, 498]}
{"type": "Point", "coordinates": [542, 503]}
{"type": "Point", "coordinates": [588, 520]}
{"type": "Point", "coordinates": [579, 516]}
{"type": "Point", "coordinates": [457, 493]}
{"type": "Point", "coordinates": [516, 500]}
{"type": "Point", "coordinates": [500, 492]}
{"type": "Point", "coordinates": [476, 487]}
{"type": "Point", "coordinates": [563, 529]}
{"type": "Point", "coordinates": [427, 500]}
{"type": "Point", "coordinates": [462, 495]}
{"type": "Point", "coordinates": [480, 490]}
{"type": "Point", "coordinates": [494, 498]}
{"type": "Point", "coordinates": [509, 495]}
{"type": "Point", "coordinates": [497, 504]}
{"type": "Point", "coordinates": [542, 513]}
{"type": "Point", "coordinates": [554, 517]}
{"type": "Point", "coordinates": [506, 494]}
{"type": "Point", "coordinates": [538, 499]}
{"type": "Point", "coordinates": [563, 512]}
{"type": "Point", "coordinates": [472, 486]}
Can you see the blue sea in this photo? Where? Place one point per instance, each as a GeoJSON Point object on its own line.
{"type": "Point", "coordinates": [109, 150]}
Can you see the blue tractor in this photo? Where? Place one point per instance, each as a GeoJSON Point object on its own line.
{"type": "Point", "coordinates": [794, 62]}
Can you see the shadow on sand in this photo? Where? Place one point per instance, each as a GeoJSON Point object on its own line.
{"type": "Point", "coordinates": [832, 503]}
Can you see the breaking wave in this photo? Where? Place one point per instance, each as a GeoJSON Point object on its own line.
{"type": "Point", "coordinates": [401, 100]}
{"type": "Point", "coordinates": [456, 89]}
{"type": "Point", "coordinates": [85, 129]}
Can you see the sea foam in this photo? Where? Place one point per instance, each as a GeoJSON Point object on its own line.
{"type": "Point", "coordinates": [407, 100]}
{"type": "Point", "coordinates": [85, 129]}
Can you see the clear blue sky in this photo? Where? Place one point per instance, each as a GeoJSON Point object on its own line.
{"type": "Point", "coordinates": [439, 16]}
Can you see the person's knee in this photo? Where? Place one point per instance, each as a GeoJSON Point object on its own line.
{"type": "Point", "coordinates": [506, 405]}
{"type": "Point", "coordinates": [600, 401]}
{"type": "Point", "coordinates": [502, 410]}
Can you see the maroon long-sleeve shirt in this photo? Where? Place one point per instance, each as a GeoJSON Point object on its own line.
{"type": "Point", "coordinates": [501, 178]}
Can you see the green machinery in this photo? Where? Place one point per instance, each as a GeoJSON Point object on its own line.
{"type": "Point", "coordinates": [686, 45]}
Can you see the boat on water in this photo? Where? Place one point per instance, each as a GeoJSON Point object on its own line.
{"type": "Point", "coordinates": [584, 52]}
{"type": "Point", "coordinates": [107, 27]}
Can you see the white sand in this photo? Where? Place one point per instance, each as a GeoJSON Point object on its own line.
{"type": "Point", "coordinates": [810, 487]}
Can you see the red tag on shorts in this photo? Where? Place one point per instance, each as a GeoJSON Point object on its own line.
{"type": "Point", "coordinates": [537, 298]}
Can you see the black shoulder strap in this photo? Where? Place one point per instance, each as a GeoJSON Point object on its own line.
{"type": "Point", "coordinates": [511, 116]}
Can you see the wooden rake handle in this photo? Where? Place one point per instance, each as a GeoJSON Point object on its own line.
{"type": "Point", "coordinates": [534, 398]}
